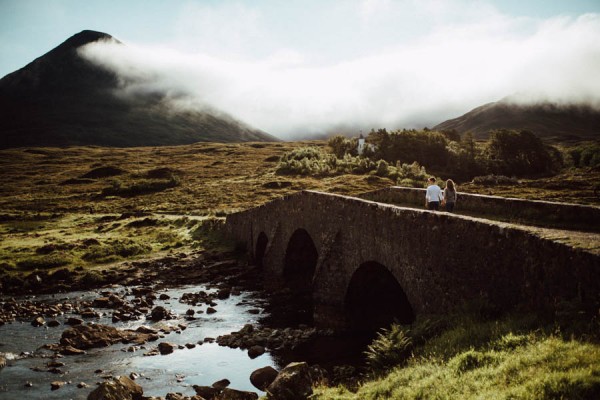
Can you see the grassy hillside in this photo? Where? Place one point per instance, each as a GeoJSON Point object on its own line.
{"type": "Point", "coordinates": [89, 209]}
{"type": "Point", "coordinates": [548, 121]}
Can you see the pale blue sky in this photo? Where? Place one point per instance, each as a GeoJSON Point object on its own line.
{"type": "Point", "coordinates": [292, 67]}
{"type": "Point", "coordinates": [325, 30]}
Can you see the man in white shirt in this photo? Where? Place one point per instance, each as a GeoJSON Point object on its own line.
{"type": "Point", "coordinates": [433, 196]}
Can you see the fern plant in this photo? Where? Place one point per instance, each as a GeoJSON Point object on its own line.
{"type": "Point", "coordinates": [391, 347]}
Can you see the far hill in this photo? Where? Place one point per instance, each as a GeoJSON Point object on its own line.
{"type": "Point", "coordinates": [62, 99]}
{"type": "Point", "coordinates": [546, 120]}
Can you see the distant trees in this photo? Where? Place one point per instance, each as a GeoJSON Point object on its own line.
{"type": "Point", "coordinates": [585, 155]}
{"type": "Point", "coordinates": [403, 155]}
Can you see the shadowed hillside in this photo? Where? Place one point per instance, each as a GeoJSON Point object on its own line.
{"type": "Point", "coordinates": [62, 99]}
{"type": "Point", "coordinates": [548, 121]}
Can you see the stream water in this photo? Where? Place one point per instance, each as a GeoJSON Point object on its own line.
{"type": "Point", "coordinates": [159, 375]}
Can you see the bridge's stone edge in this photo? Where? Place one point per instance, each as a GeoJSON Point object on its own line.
{"type": "Point", "coordinates": [561, 215]}
{"type": "Point", "coordinates": [441, 260]}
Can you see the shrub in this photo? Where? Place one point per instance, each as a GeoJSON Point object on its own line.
{"type": "Point", "coordinates": [45, 262]}
{"type": "Point", "coordinates": [139, 187]}
{"type": "Point", "coordinates": [492, 180]}
{"type": "Point", "coordinates": [114, 250]}
{"type": "Point", "coordinates": [390, 348]}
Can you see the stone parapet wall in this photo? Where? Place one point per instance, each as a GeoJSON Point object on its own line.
{"type": "Point", "coordinates": [560, 215]}
{"type": "Point", "coordinates": [441, 260]}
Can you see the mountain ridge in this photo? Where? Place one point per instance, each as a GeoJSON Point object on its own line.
{"type": "Point", "coordinates": [62, 99]}
{"type": "Point", "coordinates": [546, 119]}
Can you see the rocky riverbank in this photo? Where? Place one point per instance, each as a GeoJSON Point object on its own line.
{"type": "Point", "coordinates": [129, 292]}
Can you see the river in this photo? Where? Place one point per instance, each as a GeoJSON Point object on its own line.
{"type": "Point", "coordinates": [158, 375]}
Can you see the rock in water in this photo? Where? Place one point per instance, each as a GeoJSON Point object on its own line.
{"type": "Point", "coordinates": [2, 362]}
{"type": "Point", "coordinates": [38, 321]}
{"type": "Point", "coordinates": [121, 388]}
{"type": "Point", "coordinates": [232, 394]}
{"type": "Point", "coordinates": [292, 383]}
{"type": "Point", "coordinates": [263, 377]}
{"type": "Point", "coordinates": [256, 351]}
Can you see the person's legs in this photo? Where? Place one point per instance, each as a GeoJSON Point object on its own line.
{"type": "Point", "coordinates": [434, 205]}
{"type": "Point", "coordinates": [449, 207]}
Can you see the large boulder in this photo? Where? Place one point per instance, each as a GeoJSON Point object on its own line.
{"type": "Point", "coordinates": [98, 335]}
{"type": "Point", "coordinates": [121, 388]}
{"type": "Point", "coordinates": [292, 383]}
{"type": "Point", "coordinates": [232, 394]}
{"type": "Point", "coordinates": [263, 377]}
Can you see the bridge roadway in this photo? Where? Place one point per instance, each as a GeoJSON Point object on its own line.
{"type": "Point", "coordinates": [363, 264]}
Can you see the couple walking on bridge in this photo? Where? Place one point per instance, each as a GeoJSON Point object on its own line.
{"type": "Point", "coordinates": [434, 195]}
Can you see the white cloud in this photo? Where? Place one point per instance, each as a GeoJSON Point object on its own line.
{"type": "Point", "coordinates": [455, 67]}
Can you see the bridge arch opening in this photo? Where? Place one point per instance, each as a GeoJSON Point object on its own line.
{"type": "Point", "coordinates": [374, 299]}
{"type": "Point", "coordinates": [299, 267]}
{"type": "Point", "coordinates": [260, 249]}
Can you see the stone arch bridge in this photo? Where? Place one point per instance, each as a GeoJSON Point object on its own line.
{"type": "Point", "coordinates": [365, 263]}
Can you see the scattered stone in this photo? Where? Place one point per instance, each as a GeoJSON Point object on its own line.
{"type": "Point", "coordinates": [2, 362]}
{"type": "Point", "coordinates": [190, 345]}
{"type": "Point", "coordinates": [57, 385]}
{"type": "Point", "coordinates": [256, 351]}
{"type": "Point", "coordinates": [263, 377]}
{"type": "Point", "coordinates": [133, 376]}
{"type": "Point", "coordinates": [28, 384]}
{"type": "Point", "coordinates": [55, 364]}
{"type": "Point", "coordinates": [38, 321]}
{"type": "Point", "coordinates": [53, 323]}
{"type": "Point", "coordinates": [232, 394]}
{"type": "Point", "coordinates": [292, 383]}
{"type": "Point", "coordinates": [175, 396]}
{"type": "Point", "coordinates": [121, 388]}
{"type": "Point", "coordinates": [166, 348]}
{"type": "Point", "coordinates": [159, 313]}
{"type": "Point", "coordinates": [206, 392]}
{"type": "Point", "coordinates": [254, 311]}
{"type": "Point", "coordinates": [74, 321]}
{"type": "Point", "coordinates": [71, 351]}
{"type": "Point", "coordinates": [222, 384]}
{"type": "Point", "coordinates": [164, 296]}
{"type": "Point", "coordinates": [210, 310]}
{"type": "Point", "coordinates": [82, 385]}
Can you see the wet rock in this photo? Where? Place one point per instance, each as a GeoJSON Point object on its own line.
{"type": "Point", "coordinates": [82, 385]}
{"type": "Point", "coordinates": [38, 321]}
{"type": "Point", "coordinates": [223, 294]}
{"type": "Point", "coordinates": [28, 384]}
{"type": "Point", "coordinates": [164, 296]}
{"type": "Point", "coordinates": [146, 329]}
{"type": "Point", "coordinates": [190, 345]}
{"type": "Point", "coordinates": [71, 351]}
{"type": "Point", "coordinates": [292, 383]}
{"type": "Point", "coordinates": [55, 364]}
{"type": "Point", "coordinates": [263, 377]}
{"type": "Point", "coordinates": [159, 313]}
{"type": "Point", "coordinates": [2, 362]}
{"type": "Point", "coordinates": [256, 351]}
{"type": "Point", "coordinates": [74, 321]}
{"type": "Point", "coordinates": [121, 388]}
{"type": "Point", "coordinates": [57, 385]}
{"type": "Point", "coordinates": [232, 394]}
{"type": "Point", "coordinates": [141, 291]}
{"type": "Point", "coordinates": [190, 312]}
{"type": "Point", "coordinates": [206, 392]}
{"type": "Point", "coordinates": [210, 310]}
{"type": "Point", "coordinates": [222, 384]}
{"type": "Point", "coordinates": [53, 323]}
{"type": "Point", "coordinates": [166, 348]}
{"type": "Point", "coordinates": [133, 376]}
{"type": "Point", "coordinates": [98, 335]}
{"type": "Point", "coordinates": [175, 396]}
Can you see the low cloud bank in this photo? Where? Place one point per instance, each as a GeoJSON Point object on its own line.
{"type": "Point", "coordinates": [442, 75]}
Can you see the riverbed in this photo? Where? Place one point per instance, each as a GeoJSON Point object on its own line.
{"type": "Point", "coordinates": [26, 375]}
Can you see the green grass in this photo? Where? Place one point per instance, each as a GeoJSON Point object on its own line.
{"type": "Point", "coordinates": [511, 367]}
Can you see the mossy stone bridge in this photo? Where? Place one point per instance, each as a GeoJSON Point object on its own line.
{"type": "Point", "coordinates": [366, 263]}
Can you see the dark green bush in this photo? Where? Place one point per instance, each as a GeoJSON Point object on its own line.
{"type": "Point", "coordinates": [390, 348]}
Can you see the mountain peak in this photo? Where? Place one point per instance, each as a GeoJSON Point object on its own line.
{"type": "Point", "coordinates": [84, 37]}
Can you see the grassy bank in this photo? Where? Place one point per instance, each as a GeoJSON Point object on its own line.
{"type": "Point", "coordinates": [465, 357]}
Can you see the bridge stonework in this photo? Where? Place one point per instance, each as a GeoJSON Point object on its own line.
{"type": "Point", "coordinates": [441, 261]}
